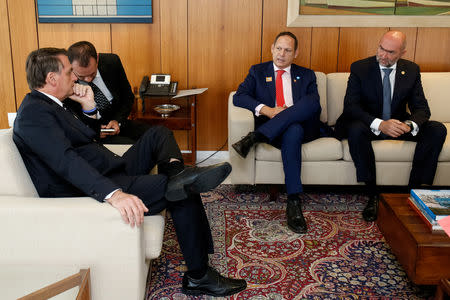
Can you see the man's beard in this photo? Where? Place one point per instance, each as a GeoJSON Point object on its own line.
{"type": "Point", "coordinates": [388, 65]}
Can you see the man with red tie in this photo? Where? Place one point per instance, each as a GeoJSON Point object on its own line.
{"type": "Point", "coordinates": [284, 99]}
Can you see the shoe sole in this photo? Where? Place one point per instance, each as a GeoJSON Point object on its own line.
{"type": "Point", "coordinates": [199, 292]}
{"type": "Point", "coordinates": [238, 151]}
{"type": "Point", "coordinates": [204, 182]}
{"type": "Point", "coordinates": [297, 231]}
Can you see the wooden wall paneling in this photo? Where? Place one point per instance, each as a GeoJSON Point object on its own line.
{"type": "Point", "coordinates": [7, 95]}
{"type": "Point", "coordinates": [139, 48]}
{"type": "Point", "coordinates": [22, 24]}
{"type": "Point", "coordinates": [433, 49]}
{"type": "Point", "coordinates": [274, 22]}
{"type": "Point", "coordinates": [324, 49]}
{"type": "Point", "coordinates": [357, 43]}
{"type": "Point", "coordinates": [174, 50]}
{"type": "Point", "coordinates": [174, 40]}
{"type": "Point", "coordinates": [224, 40]}
{"type": "Point", "coordinates": [64, 35]}
{"type": "Point", "coordinates": [411, 35]}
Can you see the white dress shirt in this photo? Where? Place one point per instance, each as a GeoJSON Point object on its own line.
{"type": "Point", "coordinates": [287, 88]}
{"type": "Point", "coordinates": [375, 125]}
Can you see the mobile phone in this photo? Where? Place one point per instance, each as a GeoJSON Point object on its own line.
{"type": "Point", "coordinates": [107, 130]}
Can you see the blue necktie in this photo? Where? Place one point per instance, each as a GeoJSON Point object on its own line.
{"type": "Point", "coordinates": [386, 95]}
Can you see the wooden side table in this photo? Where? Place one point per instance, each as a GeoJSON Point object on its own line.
{"type": "Point", "coordinates": [424, 256]}
{"type": "Point", "coordinates": [183, 119]}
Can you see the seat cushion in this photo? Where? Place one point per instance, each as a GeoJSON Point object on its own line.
{"type": "Point", "coordinates": [322, 149]}
{"type": "Point", "coordinates": [14, 178]}
{"type": "Point", "coordinates": [153, 235]}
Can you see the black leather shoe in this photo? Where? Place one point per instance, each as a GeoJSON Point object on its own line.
{"type": "Point", "coordinates": [245, 144]}
{"type": "Point", "coordinates": [370, 212]}
{"type": "Point", "coordinates": [196, 180]}
{"type": "Point", "coordinates": [295, 220]}
{"type": "Point", "coordinates": [212, 284]}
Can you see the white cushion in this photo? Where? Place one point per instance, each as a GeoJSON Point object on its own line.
{"type": "Point", "coordinates": [336, 87]}
{"type": "Point", "coordinates": [321, 80]}
{"type": "Point", "coordinates": [118, 149]}
{"type": "Point", "coordinates": [436, 87]}
{"type": "Point", "coordinates": [322, 149]}
{"type": "Point", "coordinates": [14, 179]}
{"type": "Point", "coordinates": [153, 235]}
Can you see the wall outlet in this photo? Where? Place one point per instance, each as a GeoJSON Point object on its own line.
{"type": "Point", "coordinates": [11, 118]}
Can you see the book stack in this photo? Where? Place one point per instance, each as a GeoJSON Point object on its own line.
{"type": "Point", "coordinates": [431, 206]}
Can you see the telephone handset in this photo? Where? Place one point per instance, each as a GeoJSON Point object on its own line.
{"type": "Point", "coordinates": [158, 85]}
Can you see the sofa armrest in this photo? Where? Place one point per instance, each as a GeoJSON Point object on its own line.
{"type": "Point", "coordinates": [79, 232]}
{"type": "Point", "coordinates": [240, 123]}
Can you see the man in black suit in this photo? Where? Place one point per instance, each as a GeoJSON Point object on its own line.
{"type": "Point", "coordinates": [112, 91]}
{"type": "Point", "coordinates": [379, 90]}
{"type": "Point", "coordinates": [64, 159]}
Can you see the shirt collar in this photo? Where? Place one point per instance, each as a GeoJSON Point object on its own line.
{"type": "Point", "coordinates": [393, 67]}
{"type": "Point", "coordinates": [53, 98]}
{"type": "Point", "coordinates": [287, 70]}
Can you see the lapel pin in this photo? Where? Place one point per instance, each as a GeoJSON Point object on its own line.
{"type": "Point", "coordinates": [403, 72]}
{"type": "Point", "coordinates": [268, 79]}
{"type": "Point", "coordinates": [295, 80]}
{"type": "Point", "coordinates": [298, 77]}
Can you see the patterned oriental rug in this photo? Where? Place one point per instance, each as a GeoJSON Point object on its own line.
{"type": "Point", "coordinates": [341, 256]}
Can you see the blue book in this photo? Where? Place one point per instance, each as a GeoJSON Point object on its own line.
{"type": "Point", "coordinates": [436, 203]}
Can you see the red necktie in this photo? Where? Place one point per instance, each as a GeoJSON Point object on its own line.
{"type": "Point", "coordinates": [279, 88]}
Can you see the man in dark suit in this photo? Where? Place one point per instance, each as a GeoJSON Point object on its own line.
{"type": "Point", "coordinates": [112, 91]}
{"type": "Point", "coordinates": [379, 90]}
{"type": "Point", "coordinates": [285, 103]}
{"type": "Point", "coordinates": [64, 159]}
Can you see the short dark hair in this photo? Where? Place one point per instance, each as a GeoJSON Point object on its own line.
{"type": "Point", "coordinates": [288, 33]}
{"type": "Point", "coordinates": [41, 62]}
{"type": "Point", "coordinates": [82, 52]}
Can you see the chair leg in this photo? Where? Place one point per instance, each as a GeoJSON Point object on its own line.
{"type": "Point", "coordinates": [274, 190]}
{"type": "Point", "coordinates": [443, 290]}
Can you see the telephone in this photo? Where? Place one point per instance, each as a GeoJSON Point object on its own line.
{"type": "Point", "coordinates": [158, 85]}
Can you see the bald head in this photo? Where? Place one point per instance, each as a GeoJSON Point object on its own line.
{"type": "Point", "coordinates": [391, 48]}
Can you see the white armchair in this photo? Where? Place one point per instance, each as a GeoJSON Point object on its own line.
{"type": "Point", "coordinates": [80, 232]}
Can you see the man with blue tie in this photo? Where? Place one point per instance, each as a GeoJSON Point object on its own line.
{"type": "Point", "coordinates": [379, 90]}
{"type": "Point", "coordinates": [284, 99]}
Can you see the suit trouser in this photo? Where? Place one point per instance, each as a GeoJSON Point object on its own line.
{"type": "Point", "coordinates": [430, 140]}
{"type": "Point", "coordinates": [288, 131]}
{"type": "Point", "coordinates": [189, 216]}
{"type": "Point", "coordinates": [130, 132]}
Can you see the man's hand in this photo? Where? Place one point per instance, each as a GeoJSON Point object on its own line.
{"type": "Point", "coordinates": [130, 207]}
{"type": "Point", "coordinates": [271, 111]}
{"type": "Point", "coordinates": [84, 95]}
{"type": "Point", "coordinates": [112, 124]}
{"type": "Point", "coordinates": [394, 128]}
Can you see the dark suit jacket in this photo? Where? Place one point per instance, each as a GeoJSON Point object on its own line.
{"type": "Point", "coordinates": [364, 97]}
{"type": "Point", "coordinates": [116, 81]}
{"type": "Point", "coordinates": [259, 88]}
{"type": "Point", "coordinates": [60, 151]}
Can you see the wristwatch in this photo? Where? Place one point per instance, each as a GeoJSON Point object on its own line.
{"type": "Point", "coordinates": [410, 124]}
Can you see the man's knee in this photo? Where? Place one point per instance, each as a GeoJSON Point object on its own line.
{"type": "Point", "coordinates": [358, 130]}
{"type": "Point", "coordinates": [294, 132]}
{"type": "Point", "coordinates": [158, 132]}
{"type": "Point", "coordinates": [435, 131]}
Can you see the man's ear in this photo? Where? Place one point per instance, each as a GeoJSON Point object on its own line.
{"type": "Point", "coordinates": [296, 53]}
{"type": "Point", "coordinates": [403, 52]}
{"type": "Point", "coordinates": [51, 78]}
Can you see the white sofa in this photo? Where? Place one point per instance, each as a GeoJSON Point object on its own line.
{"type": "Point", "coordinates": [76, 232]}
{"type": "Point", "coordinates": [327, 161]}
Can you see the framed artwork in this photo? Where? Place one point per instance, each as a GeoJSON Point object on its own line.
{"type": "Point", "coordinates": [94, 11]}
{"type": "Point", "coordinates": [368, 13]}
